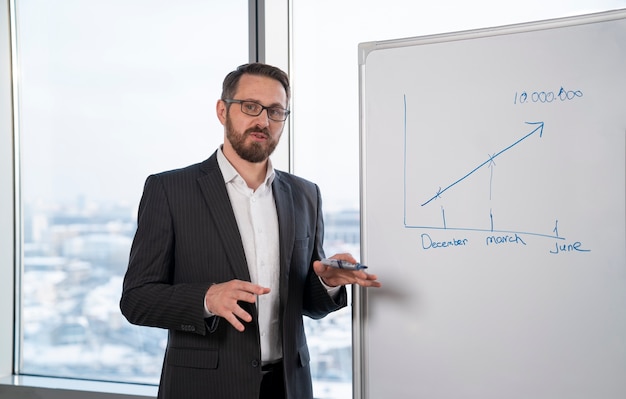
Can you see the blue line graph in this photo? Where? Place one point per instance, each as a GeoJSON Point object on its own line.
{"type": "Point", "coordinates": [489, 161]}
{"type": "Point", "coordinates": [537, 128]}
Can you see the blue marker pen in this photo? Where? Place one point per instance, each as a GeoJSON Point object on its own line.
{"type": "Point", "coordinates": [342, 264]}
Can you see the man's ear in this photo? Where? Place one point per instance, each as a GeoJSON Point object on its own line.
{"type": "Point", "coordinates": [221, 110]}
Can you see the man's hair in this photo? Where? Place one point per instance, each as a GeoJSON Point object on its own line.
{"type": "Point", "coordinates": [231, 81]}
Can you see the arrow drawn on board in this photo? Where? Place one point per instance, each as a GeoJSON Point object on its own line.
{"type": "Point", "coordinates": [489, 161]}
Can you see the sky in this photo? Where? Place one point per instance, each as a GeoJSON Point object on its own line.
{"type": "Point", "coordinates": [114, 91]}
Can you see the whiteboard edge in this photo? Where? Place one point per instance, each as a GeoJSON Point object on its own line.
{"type": "Point", "coordinates": [365, 48]}
{"type": "Point", "coordinates": [359, 295]}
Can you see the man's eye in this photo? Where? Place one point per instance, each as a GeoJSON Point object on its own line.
{"type": "Point", "coordinates": [276, 112]}
{"type": "Point", "coordinates": [252, 107]}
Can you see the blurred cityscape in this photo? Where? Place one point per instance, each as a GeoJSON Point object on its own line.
{"type": "Point", "coordinates": [75, 256]}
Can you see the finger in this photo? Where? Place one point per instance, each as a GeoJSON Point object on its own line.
{"type": "Point", "coordinates": [251, 288]}
{"type": "Point", "coordinates": [319, 267]}
{"type": "Point", "coordinates": [242, 314]}
{"type": "Point", "coordinates": [245, 296]}
{"type": "Point", "coordinates": [236, 316]}
{"type": "Point", "coordinates": [345, 256]}
{"type": "Point", "coordinates": [234, 321]}
{"type": "Point", "coordinates": [371, 276]}
{"type": "Point", "coordinates": [368, 283]}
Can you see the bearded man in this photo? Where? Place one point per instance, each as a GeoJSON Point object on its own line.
{"type": "Point", "coordinates": [227, 254]}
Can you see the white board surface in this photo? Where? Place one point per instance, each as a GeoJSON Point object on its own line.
{"type": "Point", "coordinates": [493, 211]}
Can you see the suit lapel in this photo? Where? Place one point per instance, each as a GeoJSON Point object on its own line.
{"type": "Point", "coordinates": [214, 190]}
{"type": "Point", "coordinates": [286, 228]}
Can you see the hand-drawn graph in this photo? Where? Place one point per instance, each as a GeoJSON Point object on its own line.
{"type": "Point", "coordinates": [475, 207]}
{"type": "Point", "coordinates": [490, 161]}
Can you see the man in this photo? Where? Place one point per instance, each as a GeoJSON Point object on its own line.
{"type": "Point", "coordinates": [227, 258]}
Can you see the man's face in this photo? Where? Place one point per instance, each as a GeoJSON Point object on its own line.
{"type": "Point", "coordinates": [253, 138]}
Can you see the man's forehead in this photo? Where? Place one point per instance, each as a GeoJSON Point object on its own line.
{"type": "Point", "coordinates": [256, 85]}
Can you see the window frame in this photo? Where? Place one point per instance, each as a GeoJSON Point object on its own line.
{"type": "Point", "coordinates": [7, 194]}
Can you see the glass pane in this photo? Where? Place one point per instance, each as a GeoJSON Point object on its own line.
{"type": "Point", "coordinates": [109, 93]}
{"type": "Point", "coordinates": [326, 144]}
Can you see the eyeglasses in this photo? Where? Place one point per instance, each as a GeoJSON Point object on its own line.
{"type": "Point", "coordinates": [253, 108]}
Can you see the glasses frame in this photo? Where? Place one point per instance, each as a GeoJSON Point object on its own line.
{"type": "Point", "coordinates": [263, 108]}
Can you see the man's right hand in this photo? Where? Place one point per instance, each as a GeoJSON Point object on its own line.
{"type": "Point", "coordinates": [221, 300]}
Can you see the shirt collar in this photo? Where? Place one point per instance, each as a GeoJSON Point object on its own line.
{"type": "Point", "coordinates": [230, 173]}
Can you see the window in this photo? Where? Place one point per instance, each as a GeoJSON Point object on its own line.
{"type": "Point", "coordinates": [109, 93]}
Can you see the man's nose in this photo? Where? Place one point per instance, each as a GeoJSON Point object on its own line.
{"type": "Point", "coordinates": [264, 118]}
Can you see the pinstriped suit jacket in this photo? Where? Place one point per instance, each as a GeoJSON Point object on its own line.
{"type": "Point", "coordinates": [187, 239]}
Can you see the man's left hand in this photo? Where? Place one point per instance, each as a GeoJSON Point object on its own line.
{"type": "Point", "coordinates": [334, 277]}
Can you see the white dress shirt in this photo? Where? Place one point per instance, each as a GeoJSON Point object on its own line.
{"type": "Point", "coordinates": [255, 212]}
{"type": "Point", "coordinates": [257, 220]}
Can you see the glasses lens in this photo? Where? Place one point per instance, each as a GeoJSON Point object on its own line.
{"type": "Point", "coordinates": [254, 109]}
{"type": "Point", "coordinates": [251, 108]}
{"type": "Point", "coordinates": [277, 114]}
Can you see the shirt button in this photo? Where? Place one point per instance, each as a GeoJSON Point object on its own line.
{"type": "Point", "coordinates": [255, 363]}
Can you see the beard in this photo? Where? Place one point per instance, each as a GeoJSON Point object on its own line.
{"type": "Point", "coordinates": [254, 151]}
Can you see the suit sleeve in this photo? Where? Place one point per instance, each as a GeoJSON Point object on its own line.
{"type": "Point", "coordinates": [149, 295]}
{"type": "Point", "coordinates": [317, 301]}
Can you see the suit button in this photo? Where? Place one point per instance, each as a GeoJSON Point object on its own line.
{"type": "Point", "coordinates": [255, 363]}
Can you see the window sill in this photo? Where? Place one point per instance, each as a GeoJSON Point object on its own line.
{"type": "Point", "coordinates": [29, 387]}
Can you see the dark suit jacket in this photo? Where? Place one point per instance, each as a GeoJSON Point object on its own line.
{"type": "Point", "coordinates": [187, 239]}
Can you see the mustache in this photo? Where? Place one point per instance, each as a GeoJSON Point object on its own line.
{"type": "Point", "coordinates": [264, 130]}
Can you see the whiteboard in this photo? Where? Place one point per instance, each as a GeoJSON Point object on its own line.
{"type": "Point", "coordinates": [493, 211]}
